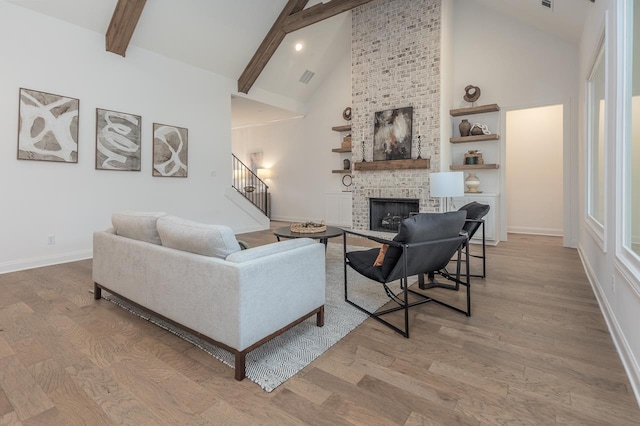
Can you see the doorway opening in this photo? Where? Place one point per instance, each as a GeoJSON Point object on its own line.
{"type": "Point", "coordinates": [534, 172]}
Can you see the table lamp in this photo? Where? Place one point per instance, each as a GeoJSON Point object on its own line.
{"type": "Point", "coordinates": [446, 185]}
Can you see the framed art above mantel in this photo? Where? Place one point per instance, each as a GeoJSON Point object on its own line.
{"type": "Point", "coordinates": [392, 134]}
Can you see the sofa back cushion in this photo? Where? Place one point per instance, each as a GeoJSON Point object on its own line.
{"type": "Point", "coordinates": [199, 238]}
{"type": "Point", "coordinates": [137, 225]}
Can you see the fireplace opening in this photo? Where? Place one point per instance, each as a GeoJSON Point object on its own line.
{"type": "Point", "coordinates": [385, 214]}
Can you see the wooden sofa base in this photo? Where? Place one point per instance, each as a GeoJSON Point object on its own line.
{"type": "Point", "coordinates": [240, 356]}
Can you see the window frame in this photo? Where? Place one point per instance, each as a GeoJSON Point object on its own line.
{"type": "Point", "coordinates": [593, 226]}
{"type": "Point", "coordinates": [627, 260]}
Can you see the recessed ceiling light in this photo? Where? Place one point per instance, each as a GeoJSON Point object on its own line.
{"type": "Point", "coordinates": [298, 47]}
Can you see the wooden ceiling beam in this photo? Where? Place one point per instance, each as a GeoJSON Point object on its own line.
{"type": "Point", "coordinates": [268, 46]}
{"type": "Point", "coordinates": [293, 17]}
{"type": "Point", "coordinates": [319, 12]}
{"type": "Point", "coordinates": [123, 24]}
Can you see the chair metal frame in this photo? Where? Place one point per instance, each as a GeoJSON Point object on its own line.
{"type": "Point", "coordinates": [404, 284]}
{"type": "Point", "coordinates": [484, 250]}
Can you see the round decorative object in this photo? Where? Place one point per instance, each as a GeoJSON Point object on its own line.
{"type": "Point", "coordinates": [308, 227]}
{"type": "Point", "coordinates": [346, 114]}
{"type": "Point", "coordinates": [479, 129]}
{"type": "Point", "coordinates": [472, 182]}
{"type": "Point", "coordinates": [347, 181]}
{"type": "Point", "coordinates": [476, 131]}
{"type": "Point", "coordinates": [471, 93]}
{"type": "Point", "coordinates": [464, 127]}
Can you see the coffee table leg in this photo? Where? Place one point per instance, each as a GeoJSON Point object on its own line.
{"type": "Point", "coordinates": [324, 241]}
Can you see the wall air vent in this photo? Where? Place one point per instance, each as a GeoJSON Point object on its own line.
{"type": "Point", "coordinates": [547, 4]}
{"type": "Point", "coordinates": [307, 76]}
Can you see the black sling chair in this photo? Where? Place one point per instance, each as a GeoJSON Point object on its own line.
{"type": "Point", "coordinates": [425, 243]}
{"type": "Point", "coordinates": [475, 213]}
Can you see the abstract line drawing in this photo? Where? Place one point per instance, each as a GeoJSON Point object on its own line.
{"type": "Point", "coordinates": [117, 140]}
{"type": "Point", "coordinates": [170, 148]}
{"type": "Point", "coordinates": [47, 127]}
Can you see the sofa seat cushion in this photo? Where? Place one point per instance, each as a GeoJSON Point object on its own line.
{"type": "Point", "coordinates": [199, 238]}
{"type": "Point", "coordinates": [139, 226]}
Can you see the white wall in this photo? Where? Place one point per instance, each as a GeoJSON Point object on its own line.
{"type": "Point", "coordinates": [299, 150]}
{"type": "Point", "coordinates": [534, 176]}
{"type": "Point", "coordinates": [614, 276]}
{"type": "Point", "coordinates": [72, 200]}
{"type": "Point", "coordinates": [516, 66]}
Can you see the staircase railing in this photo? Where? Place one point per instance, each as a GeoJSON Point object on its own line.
{"type": "Point", "coordinates": [247, 183]}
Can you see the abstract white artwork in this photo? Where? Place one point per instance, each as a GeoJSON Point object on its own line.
{"type": "Point", "coordinates": [392, 134]}
{"type": "Point", "coordinates": [117, 140]}
{"type": "Point", "coordinates": [170, 148]}
{"type": "Point", "coordinates": [47, 127]}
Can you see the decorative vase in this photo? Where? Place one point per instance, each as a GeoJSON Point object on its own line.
{"type": "Point", "coordinates": [464, 127]}
{"type": "Point", "coordinates": [476, 131]}
{"type": "Point", "coordinates": [472, 182]}
{"type": "Point", "coordinates": [346, 164]}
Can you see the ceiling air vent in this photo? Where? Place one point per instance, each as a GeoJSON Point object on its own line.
{"type": "Point", "coordinates": [547, 3]}
{"type": "Point", "coordinates": [307, 76]}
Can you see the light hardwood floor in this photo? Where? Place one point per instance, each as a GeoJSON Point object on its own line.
{"type": "Point", "coordinates": [536, 351]}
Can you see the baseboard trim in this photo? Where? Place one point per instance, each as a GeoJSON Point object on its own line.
{"type": "Point", "coordinates": [39, 262]}
{"type": "Point", "coordinates": [622, 346]}
{"type": "Point", "coordinates": [535, 231]}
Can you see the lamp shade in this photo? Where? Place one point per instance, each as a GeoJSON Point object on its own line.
{"type": "Point", "coordinates": [264, 174]}
{"type": "Point", "coordinates": [447, 184]}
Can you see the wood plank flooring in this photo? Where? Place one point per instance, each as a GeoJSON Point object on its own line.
{"type": "Point", "coordinates": [536, 351]}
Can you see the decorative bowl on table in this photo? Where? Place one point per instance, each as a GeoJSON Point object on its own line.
{"type": "Point", "coordinates": [308, 227]}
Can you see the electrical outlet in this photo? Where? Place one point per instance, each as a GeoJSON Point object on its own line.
{"type": "Point", "coordinates": [51, 239]}
{"type": "Point", "coordinates": [213, 173]}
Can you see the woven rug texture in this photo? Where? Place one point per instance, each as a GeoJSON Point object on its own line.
{"type": "Point", "coordinates": [281, 358]}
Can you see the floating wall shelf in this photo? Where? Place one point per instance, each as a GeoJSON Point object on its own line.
{"type": "Point", "coordinates": [341, 150]}
{"type": "Point", "coordinates": [341, 171]}
{"type": "Point", "coordinates": [474, 110]}
{"type": "Point", "coordinates": [344, 128]}
{"type": "Point", "coordinates": [477, 138]}
{"type": "Point", "coordinates": [473, 166]}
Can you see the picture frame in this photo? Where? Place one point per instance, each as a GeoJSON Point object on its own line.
{"type": "Point", "coordinates": [118, 140]}
{"type": "Point", "coordinates": [392, 134]}
{"type": "Point", "coordinates": [47, 127]}
{"type": "Point", "coordinates": [170, 151]}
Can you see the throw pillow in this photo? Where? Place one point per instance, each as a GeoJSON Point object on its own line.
{"type": "Point", "coordinates": [380, 259]}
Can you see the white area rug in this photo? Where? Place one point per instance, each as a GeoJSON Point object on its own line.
{"type": "Point", "coordinates": [276, 361]}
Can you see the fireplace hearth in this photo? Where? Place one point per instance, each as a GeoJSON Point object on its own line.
{"type": "Point", "coordinates": [385, 214]}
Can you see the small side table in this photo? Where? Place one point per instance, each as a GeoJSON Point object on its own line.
{"type": "Point", "coordinates": [332, 231]}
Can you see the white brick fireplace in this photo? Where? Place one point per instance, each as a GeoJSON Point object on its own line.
{"type": "Point", "coordinates": [395, 53]}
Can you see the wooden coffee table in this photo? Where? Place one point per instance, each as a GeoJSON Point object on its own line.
{"type": "Point", "coordinates": [332, 231]}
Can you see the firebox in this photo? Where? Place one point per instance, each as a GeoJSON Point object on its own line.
{"type": "Point", "coordinates": [385, 214]}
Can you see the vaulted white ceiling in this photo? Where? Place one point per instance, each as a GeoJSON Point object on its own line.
{"type": "Point", "coordinates": [222, 35]}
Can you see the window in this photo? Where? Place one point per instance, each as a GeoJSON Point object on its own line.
{"type": "Point", "coordinates": [632, 148]}
{"type": "Point", "coordinates": [596, 113]}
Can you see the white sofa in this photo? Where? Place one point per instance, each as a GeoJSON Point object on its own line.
{"type": "Point", "coordinates": [196, 276]}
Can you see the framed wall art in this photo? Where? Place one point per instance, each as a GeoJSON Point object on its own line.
{"type": "Point", "coordinates": [170, 149]}
{"type": "Point", "coordinates": [117, 140]}
{"type": "Point", "coordinates": [47, 127]}
{"type": "Point", "coordinates": [392, 134]}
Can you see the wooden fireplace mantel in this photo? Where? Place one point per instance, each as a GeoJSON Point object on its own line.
{"type": "Point", "coordinates": [413, 163]}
